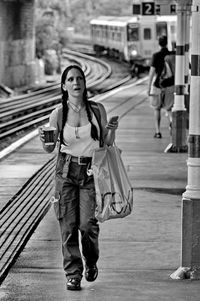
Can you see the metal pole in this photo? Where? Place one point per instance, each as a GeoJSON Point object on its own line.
{"type": "Point", "coordinates": [190, 259]}
{"type": "Point", "coordinates": [187, 48]}
{"type": "Point", "coordinates": [179, 143]}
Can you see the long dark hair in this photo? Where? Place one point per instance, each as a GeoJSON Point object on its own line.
{"type": "Point", "coordinates": [94, 132]}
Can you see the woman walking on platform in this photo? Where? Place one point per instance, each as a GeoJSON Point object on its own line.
{"type": "Point", "coordinates": [81, 126]}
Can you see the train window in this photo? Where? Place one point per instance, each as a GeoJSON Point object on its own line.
{"type": "Point", "coordinates": [147, 34]}
{"type": "Point", "coordinates": [161, 29]}
{"type": "Point", "coordinates": [119, 36]}
{"type": "Point", "coordinates": [103, 31]}
{"type": "Point", "coordinates": [113, 35]}
{"type": "Point", "coordinates": [98, 31]}
{"type": "Point", "coordinates": [110, 33]}
{"type": "Point", "coordinates": [106, 33]}
{"type": "Point", "coordinates": [133, 32]}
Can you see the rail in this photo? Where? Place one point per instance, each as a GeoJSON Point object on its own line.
{"type": "Point", "coordinates": [30, 110]}
{"type": "Point", "coordinates": [21, 215]}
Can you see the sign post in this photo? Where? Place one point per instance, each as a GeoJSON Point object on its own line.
{"type": "Point", "coordinates": [157, 7]}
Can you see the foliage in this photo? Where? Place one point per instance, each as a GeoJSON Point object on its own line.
{"type": "Point", "coordinates": [78, 13]}
{"type": "Point", "coordinates": [46, 36]}
{"type": "Point", "coordinates": [53, 17]}
{"type": "Point", "coordinates": [83, 11]}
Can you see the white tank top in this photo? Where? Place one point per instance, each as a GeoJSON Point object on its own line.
{"type": "Point", "coordinates": [78, 140]}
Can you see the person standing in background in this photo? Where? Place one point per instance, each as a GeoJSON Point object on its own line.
{"type": "Point", "coordinates": [157, 65]}
{"type": "Point", "coordinates": [167, 84]}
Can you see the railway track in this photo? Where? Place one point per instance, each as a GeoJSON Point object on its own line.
{"type": "Point", "coordinates": [22, 214]}
{"type": "Point", "coordinates": [28, 111]}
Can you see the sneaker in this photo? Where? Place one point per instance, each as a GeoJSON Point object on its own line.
{"type": "Point", "coordinates": [157, 135]}
{"type": "Point", "coordinates": [91, 272]}
{"type": "Point", "coordinates": [74, 284]}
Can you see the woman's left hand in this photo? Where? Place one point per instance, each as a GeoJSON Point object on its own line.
{"type": "Point", "coordinates": [41, 134]}
{"type": "Point", "coordinates": [112, 125]}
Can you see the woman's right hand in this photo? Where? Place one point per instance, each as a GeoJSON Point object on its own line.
{"type": "Point", "coordinates": [41, 134]}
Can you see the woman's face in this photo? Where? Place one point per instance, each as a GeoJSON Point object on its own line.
{"type": "Point", "coordinates": [74, 83]}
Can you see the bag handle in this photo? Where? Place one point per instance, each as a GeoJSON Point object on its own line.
{"type": "Point", "coordinates": [97, 114]}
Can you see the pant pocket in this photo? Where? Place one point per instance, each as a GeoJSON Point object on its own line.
{"type": "Point", "coordinates": [62, 166]}
{"type": "Point", "coordinates": [55, 200]}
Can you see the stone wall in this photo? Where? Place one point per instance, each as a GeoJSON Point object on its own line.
{"type": "Point", "coordinates": [17, 43]}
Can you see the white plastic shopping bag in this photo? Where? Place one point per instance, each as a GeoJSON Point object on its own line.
{"type": "Point", "coordinates": [114, 193]}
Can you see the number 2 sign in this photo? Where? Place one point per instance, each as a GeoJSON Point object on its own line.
{"type": "Point", "coordinates": [148, 8]}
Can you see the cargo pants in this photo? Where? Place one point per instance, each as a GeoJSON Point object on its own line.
{"type": "Point", "coordinates": [75, 209]}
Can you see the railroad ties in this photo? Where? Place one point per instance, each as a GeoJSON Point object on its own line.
{"type": "Point", "coordinates": [22, 214]}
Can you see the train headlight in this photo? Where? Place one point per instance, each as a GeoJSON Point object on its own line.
{"type": "Point", "coordinates": [147, 62]}
{"type": "Point", "coordinates": [134, 52]}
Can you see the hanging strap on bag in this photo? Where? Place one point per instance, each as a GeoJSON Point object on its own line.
{"type": "Point", "coordinates": [97, 114]}
{"type": "Point", "coordinates": [59, 123]}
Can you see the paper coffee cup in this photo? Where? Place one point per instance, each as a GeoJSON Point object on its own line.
{"type": "Point", "coordinates": [49, 135]}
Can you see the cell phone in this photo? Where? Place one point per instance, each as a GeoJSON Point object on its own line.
{"type": "Point", "coordinates": [113, 119]}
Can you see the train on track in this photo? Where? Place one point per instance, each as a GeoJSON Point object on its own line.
{"type": "Point", "coordinates": [131, 39]}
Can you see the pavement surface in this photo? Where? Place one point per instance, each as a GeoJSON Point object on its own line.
{"type": "Point", "coordinates": [138, 253]}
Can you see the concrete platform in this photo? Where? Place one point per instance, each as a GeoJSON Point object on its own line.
{"type": "Point", "coordinates": [137, 253]}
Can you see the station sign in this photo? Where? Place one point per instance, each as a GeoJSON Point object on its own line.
{"type": "Point", "coordinates": [148, 8]}
{"type": "Point", "coordinates": [144, 8]}
{"type": "Point", "coordinates": [136, 9]}
{"type": "Point", "coordinates": [154, 8]}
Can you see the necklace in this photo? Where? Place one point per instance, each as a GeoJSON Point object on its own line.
{"type": "Point", "coordinates": [76, 133]}
{"type": "Point", "coordinates": [75, 108]}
